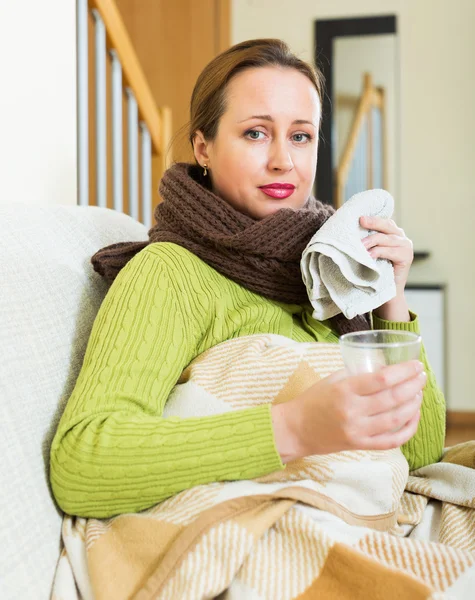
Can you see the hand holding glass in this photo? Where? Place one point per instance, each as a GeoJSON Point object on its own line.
{"type": "Point", "coordinates": [369, 351]}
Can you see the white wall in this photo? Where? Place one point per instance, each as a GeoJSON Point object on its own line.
{"type": "Point", "coordinates": [437, 190]}
{"type": "Point", "coordinates": [38, 101]}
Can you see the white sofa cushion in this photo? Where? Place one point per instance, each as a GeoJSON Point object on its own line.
{"type": "Point", "coordinates": [49, 297]}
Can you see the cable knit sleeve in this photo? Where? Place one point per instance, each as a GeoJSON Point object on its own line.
{"type": "Point", "coordinates": [113, 451]}
{"type": "Point", "coordinates": [426, 446]}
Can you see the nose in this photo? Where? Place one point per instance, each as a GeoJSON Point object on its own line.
{"type": "Point", "coordinates": [279, 157]}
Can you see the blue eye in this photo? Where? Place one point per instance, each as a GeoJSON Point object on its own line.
{"type": "Point", "coordinates": [303, 137]}
{"type": "Point", "coordinates": [253, 134]}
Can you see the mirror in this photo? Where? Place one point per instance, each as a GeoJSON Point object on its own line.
{"type": "Point", "coordinates": [358, 149]}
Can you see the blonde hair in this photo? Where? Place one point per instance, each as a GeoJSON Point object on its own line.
{"type": "Point", "coordinates": [208, 100]}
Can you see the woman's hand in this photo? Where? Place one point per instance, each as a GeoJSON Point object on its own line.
{"type": "Point", "coordinates": [391, 243]}
{"type": "Point", "coordinates": [373, 411]}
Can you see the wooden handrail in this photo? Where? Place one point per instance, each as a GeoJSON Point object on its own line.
{"type": "Point", "coordinates": [371, 97]}
{"type": "Point", "coordinates": [363, 107]}
{"type": "Point", "coordinates": [157, 120]}
{"type": "Point", "coordinates": [351, 100]}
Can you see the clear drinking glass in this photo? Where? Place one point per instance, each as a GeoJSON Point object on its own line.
{"type": "Point", "coordinates": [369, 351]}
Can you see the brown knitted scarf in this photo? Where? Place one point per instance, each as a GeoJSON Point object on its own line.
{"type": "Point", "coordinates": [261, 255]}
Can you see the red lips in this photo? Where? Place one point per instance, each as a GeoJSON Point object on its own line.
{"type": "Point", "coordinates": [284, 186]}
{"type": "Point", "coordinates": [278, 190]}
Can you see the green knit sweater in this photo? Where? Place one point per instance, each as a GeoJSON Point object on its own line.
{"type": "Point", "coordinates": [113, 451]}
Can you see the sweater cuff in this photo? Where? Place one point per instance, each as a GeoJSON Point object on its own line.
{"type": "Point", "coordinates": [273, 460]}
{"type": "Point", "coordinates": [412, 325]}
{"type": "Point", "coordinates": [263, 458]}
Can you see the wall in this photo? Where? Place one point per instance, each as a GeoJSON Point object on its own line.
{"type": "Point", "coordinates": [38, 102]}
{"type": "Point", "coordinates": [437, 157]}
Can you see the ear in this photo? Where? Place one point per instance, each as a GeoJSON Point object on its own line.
{"type": "Point", "coordinates": [200, 149]}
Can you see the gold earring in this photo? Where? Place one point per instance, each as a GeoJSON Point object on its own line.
{"type": "Point", "coordinates": [205, 171]}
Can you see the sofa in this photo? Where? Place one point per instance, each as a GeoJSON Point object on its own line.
{"type": "Point", "coordinates": [49, 297]}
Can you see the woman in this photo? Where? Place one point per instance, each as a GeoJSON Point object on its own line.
{"type": "Point", "coordinates": [222, 262]}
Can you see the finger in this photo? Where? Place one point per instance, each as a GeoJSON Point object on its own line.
{"type": "Point", "coordinates": [394, 419]}
{"type": "Point", "coordinates": [392, 398]}
{"type": "Point", "coordinates": [397, 254]}
{"type": "Point", "coordinates": [380, 224]}
{"type": "Point", "coordinates": [367, 384]}
{"type": "Point", "coordinates": [386, 441]}
{"type": "Point", "coordinates": [384, 239]}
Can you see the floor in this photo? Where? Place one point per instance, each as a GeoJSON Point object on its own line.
{"type": "Point", "coordinates": [456, 435]}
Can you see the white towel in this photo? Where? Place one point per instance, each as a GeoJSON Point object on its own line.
{"type": "Point", "coordinates": [339, 273]}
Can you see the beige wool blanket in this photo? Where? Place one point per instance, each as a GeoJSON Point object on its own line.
{"type": "Point", "coordinates": [348, 525]}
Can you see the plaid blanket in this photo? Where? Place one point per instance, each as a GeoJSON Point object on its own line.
{"type": "Point", "coordinates": [347, 525]}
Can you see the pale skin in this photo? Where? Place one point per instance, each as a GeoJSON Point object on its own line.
{"type": "Point", "coordinates": [269, 134]}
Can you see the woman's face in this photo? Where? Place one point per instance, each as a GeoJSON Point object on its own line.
{"type": "Point", "coordinates": [265, 153]}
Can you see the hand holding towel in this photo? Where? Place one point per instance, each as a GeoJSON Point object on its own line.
{"type": "Point", "coordinates": [339, 273]}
